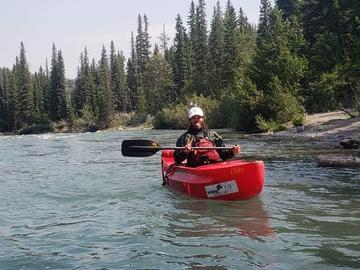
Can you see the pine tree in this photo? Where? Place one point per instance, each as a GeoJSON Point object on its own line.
{"type": "Point", "coordinates": [264, 20]}
{"type": "Point", "coordinates": [46, 90]}
{"type": "Point", "coordinates": [79, 92]}
{"type": "Point", "coordinates": [104, 92]}
{"type": "Point", "coordinates": [41, 87]}
{"type": "Point", "coordinates": [133, 77]}
{"type": "Point", "coordinates": [57, 90]}
{"type": "Point", "coordinates": [88, 81]}
{"type": "Point", "coordinates": [329, 30]}
{"type": "Point", "coordinates": [158, 85]}
{"type": "Point", "coordinates": [118, 80]}
{"type": "Point", "coordinates": [230, 47]}
{"type": "Point", "coordinates": [2, 108]}
{"type": "Point", "coordinates": [25, 102]}
{"type": "Point", "coordinates": [62, 108]}
{"type": "Point", "coordinates": [245, 45]}
{"type": "Point", "coordinates": [277, 71]}
{"type": "Point", "coordinates": [201, 50]}
{"type": "Point", "coordinates": [350, 69]}
{"type": "Point", "coordinates": [53, 85]}
{"type": "Point", "coordinates": [216, 51]}
{"type": "Point", "coordinates": [243, 22]}
{"type": "Point", "coordinates": [288, 7]}
{"type": "Point", "coordinates": [164, 39]}
{"type": "Point", "coordinates": [146, 41]}
{"type": "Point", "coordinates": [10, 87]}
{"type": "Point", "coordinates": [179, 67]}
{"type": "Point", "coordinates": [192, 25]}
{"type": "Point", "coordinates": [142, 44]}
{"type": "Point", "coordinates": [92, 80]}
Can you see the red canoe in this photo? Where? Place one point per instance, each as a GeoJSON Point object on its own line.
{"type": "Point", "coordinates": [228, 180]}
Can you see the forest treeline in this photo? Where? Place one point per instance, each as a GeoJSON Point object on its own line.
{"type": "Point", "coordinates": [302, 57]}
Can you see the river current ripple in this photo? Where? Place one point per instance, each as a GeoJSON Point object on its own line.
{"type": "Point", "coordinates": [72, 201]}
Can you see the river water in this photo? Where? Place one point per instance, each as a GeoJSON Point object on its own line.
{"type": "Point", "coordinates": [72, 201]}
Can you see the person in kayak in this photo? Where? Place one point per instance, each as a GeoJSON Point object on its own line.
{"type": "Point", "coordinates": [198, 135]}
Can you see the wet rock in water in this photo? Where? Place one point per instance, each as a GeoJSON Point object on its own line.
{"type": "Point", "coordinates": [338, 161]}
{"type": "Point", "coordinates": [91, 128]}
{"type": "Point", "coordinates": [300, 129]}
{"type": "Point", "coordinates": [350, 143]}
{"type": "Point", "coordinates": [36, 129]}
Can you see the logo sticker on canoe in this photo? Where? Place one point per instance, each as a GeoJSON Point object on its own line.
{"type": "Point", "coordinates": [221, 189]}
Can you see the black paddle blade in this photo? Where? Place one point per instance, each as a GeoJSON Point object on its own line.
{"type": "Point", "coordinates": [139, 148]}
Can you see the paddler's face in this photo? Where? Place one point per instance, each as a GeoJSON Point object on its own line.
{"type": "Point", "coordinates": [197, 121]}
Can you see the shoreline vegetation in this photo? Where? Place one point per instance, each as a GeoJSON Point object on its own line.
{"type": "Point", "coordinates": [336, 131]}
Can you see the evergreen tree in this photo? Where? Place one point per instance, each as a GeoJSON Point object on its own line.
{"type": "Point", "coordinates": [350, 68]}
{"type": "Point", "coordinates": [57, 89]}
{"type": "Point", "coordinates": [179, 67]}
{"type": "Point", "coordinates": [146, 41]}
{"type": "Point", "coordinates": [88, 81]}
{"type": "Point", "coordinates": [246, 41]}
{"type": "Point", "coordinates": [46, 90]}
{"type": "Point", "coordinates": [104, 92]}
{"type": "Point", "coordinates": [63, 110]}
{"type": "Point", "coordinates": [10, 86]}
{"type": "Point", "coordinates": [243, 22]}
{"type": "Point", "coordinates": [288, 7]}
{"type": "Point", "coordinates": [230, 63]}
{"type": "Point", "coordinates": [41, 89]}
{"type": "Point", "coordinates": [164, 39]}
{"type": "Point", "coordinates": [133, 77]}
{"type": "Point", "coordinates": [2, 108]}
{"type": "Point", "coordinates": [277, 71]}
{"type": "Point", "coordinates": [216, 51]}
{"type": "Point", "coordinates": [192, 25]}
{"type": "Point", "coordinates": [329, 30]}
{"type": "Point", "coordinates": [201, 50]}
{"type": "Point", "coordinates": [92, 80]}
{"type": "Point", "coordinates": [79, 95]}
{"type": "Point", "coordinates": [142, 44]}
{"type": "Point", "coordinates": [53, 99]}
{"type": "Point", "coordinates": [158, 86]}
{"type": "Point", "coordinates": [264, 20]}
{"type": "Point", "coordinates": [25, 102]}
{"type": "Point", "coordinates": [118, 80]}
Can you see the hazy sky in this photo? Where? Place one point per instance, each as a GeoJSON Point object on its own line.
{"type": "Point", "coordinates": [74, 24]}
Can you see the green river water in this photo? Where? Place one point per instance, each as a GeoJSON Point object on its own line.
{"type": "Point", "coordinates": [72, 201]}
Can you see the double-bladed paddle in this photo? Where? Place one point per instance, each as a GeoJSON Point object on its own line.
{"type": "Point", "coordinates": [146, 148]}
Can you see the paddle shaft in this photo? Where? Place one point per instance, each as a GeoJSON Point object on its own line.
{"type": "Point", "coordinates": [179, 148]}
{"type": "Point", "coordinates": [146, 148]}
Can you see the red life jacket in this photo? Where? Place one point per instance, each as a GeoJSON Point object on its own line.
{"type": "Point", "coordinates": [203, 157]}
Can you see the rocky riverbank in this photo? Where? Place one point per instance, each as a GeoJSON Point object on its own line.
{"type": "Point", "coordinates": [326, 130]}
{"type": "Point", "coordinates": [332, 130]}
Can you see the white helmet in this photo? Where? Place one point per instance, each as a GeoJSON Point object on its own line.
{"type": "Point", "coordinates": [195, 111]}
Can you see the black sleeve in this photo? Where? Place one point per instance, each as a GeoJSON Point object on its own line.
{"type": "Point", "coordinates": [180, 155]}
{"type": "Point", "coordinates": [224, 154]}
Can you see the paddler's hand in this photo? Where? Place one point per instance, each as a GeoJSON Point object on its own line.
{"type": "Point", "coordinates": [236, 149]}
{"type": "Point", "coordinates": [188, 149]}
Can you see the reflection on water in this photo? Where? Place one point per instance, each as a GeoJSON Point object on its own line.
{"type": "Point", "coordinates": [208, 218]}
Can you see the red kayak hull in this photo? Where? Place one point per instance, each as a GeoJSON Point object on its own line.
{"type": "Point", "coordinates": [228, 180]}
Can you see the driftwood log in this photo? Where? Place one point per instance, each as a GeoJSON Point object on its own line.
{"type": "Point", "coordinates": [338, 161]}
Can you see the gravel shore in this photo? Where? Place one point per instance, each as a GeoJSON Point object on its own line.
{"type": "Point", "coordinates": [323, 130]}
